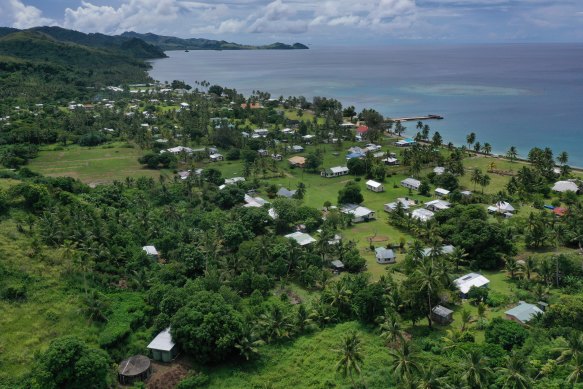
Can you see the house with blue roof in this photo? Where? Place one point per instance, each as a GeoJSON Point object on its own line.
{"type": "Point", "coordinates": [523, 312]}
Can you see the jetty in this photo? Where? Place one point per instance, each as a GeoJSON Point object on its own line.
{"type": "Point", "coordinates": [415, 118]}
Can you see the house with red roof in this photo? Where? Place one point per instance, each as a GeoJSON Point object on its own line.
{"type": "Point", "coordinates": [362, 130]}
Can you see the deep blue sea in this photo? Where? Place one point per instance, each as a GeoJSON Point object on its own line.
{"type": "Point", "coordinates": [521, 95]}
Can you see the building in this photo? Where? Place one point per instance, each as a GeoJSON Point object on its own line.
{"type": "Point", "coordinates": [422, 214]}
{"type": "Point", "coordinates": [216, 157]}
{"type": "Point", "coordinates": [162, 347]}
{"type": "Point", "coordinates": [263, 153]}
{"type": "Point", "coordinates": [465, 283]}
{"type": "Point", "coordinates": [375, 186]}
{"type": "Point", "coordinates": [178, 150]}
{"type": "Point", "coordinates": [405, 142]}
{"type": "Point", "coordinates": [301, 238]}
{"type": "Point", "coordinates": [411, 183]}
{"type": "Point", "coordinates": [151, 251]}
{"type": "Point", "coordinates": [405, 203]}
{"type": "Point", "coordinates": [284, 192]}
{"type": "Point", "coordinates": [439, 170]}
{"type": "Point", "coordinates": [523, 312]}
{"type": "Point", "coordinates": [391, 161]}
{"type": "Point", "coordinates": [384, 255]}
{"type": "Point", "coordinates": [337, 265]}
{"type": "Point", "coordinates": [437, 205]}
{"type": "Point", "coordinates": [277, 157]}
{"type": "Point", "coordinates": [566, 186]}
{"type": "Point", "coordinates": [297, 149]}
{"type": "Point", "coordinates": [445, 250]}
{"type": "Point", "coordinates": [359, 214]}
{"type": "Point", "coordinates": [254, 202]}
{"type": "Point", "coordinates": [441, 315]}
{"type": "Point", "coordinates": [440, 192]}
{"type": "Point", "coordinates": [336, 171]}
{"type": "Point", "coordinates": [502, 207]}
{"type": "Point", "coordinates": [261, 132]}
{"type": "Point", "coordinates": [297, 161]}
{"type": "Point", "coordinates": [234, 180]}
{"type": "Point", "coordinates": [134, 369]}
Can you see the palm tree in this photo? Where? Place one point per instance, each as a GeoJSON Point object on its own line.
{"type": "Point", "coordinates": [248, 345]}
{"type": "Point", "coordinates": [404, 363]}
{"type": "Point", "coordinates": [572, 348]}
{"type": "Point", "coordinates": [391, 329]}
{"type": "Point", "coordinates": [476, 177]}
{"type": "Point", "coordinates": [300, 191]}
{"type": "Point", "coordinates": [428, 378]}
{"type": "Point", "coordinates": [512, 153]}
{"type": "Point", "coordinates": [476, 372]}
{"type": "Point", "coordinates": [528, 266]}
{"type": "Point", "coordinates": [457, 256]}
{"type": "Point", "coordinates": [470, 139]}
{"type": "Point", "coordinates": [276, 323]}
{"type": "Point", "coordinates": [511, 266]}
{"type": "Point", "coordinates": [481, 314]}
{"type": "Point", "coordinates": [484, 181]}
{"type": "Point", "coordinates": [563, 158]}
{"type": "Point", "coordinates": [487, 148]}
{"type": "Point", "coordinates": [428, 282]}
{"type": "Point", "coordinates": [576, 369]}
{"type": "Point", "coordinates": [351, 357]}
{"type": "Point", "coordinates": [452, 338]}
{"type": "Point", "coordinates": [466, 317]}
{"type": "Point", "coordinates": [514, 374]}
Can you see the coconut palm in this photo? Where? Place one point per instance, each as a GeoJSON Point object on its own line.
{"type": "Point", "coordinates": [487, 148]}
{"type": "Point", "coordinates": [511, 266]}
{"type": "Point", "coordinates": [350, 356]}
{"type": "Point", "coordinates": [429, 282]}
{"type": "Point", "coordinates": [563, 158]}
{"type": "Point", "coordinates": [248, 345]}
{"type": "Point", "coordinates": [452, 338]}
{"type": "Point", "coordinates": [476, 177]}
{"type": "Point", "coordinates": [528, 267]}
{"type": "Point", "coordinates": [466, 317]}
{"type": "Point", "coordinates": [470, 139]}
{"type": "Point", "coordinates": [485, 181]}
{"type": "Point", "coordinates": [391, 329]}
{"type": "Point", "coordinates": [512, 153]}
{"type": "Point", "coordinates": [404, 363]}
{"type": "Point", "coordinates": [514, 374]}
{"type": "Point", "coordinates": [458, 255]}
{"type": "Point", "coordinates": [572, 347]}
{"type": "Point", "coordinates": [429, 378]}
{"type": "Point", "coordinates": [576, 367]}
{"type": "Point", "coordinates": [476, 373]}
{"type": "Point", "coordinates": [481, 314]}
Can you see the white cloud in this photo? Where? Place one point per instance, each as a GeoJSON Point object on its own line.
{"type": "Point", "coordinates": [16, 14]}
{"type": "Point", "coordinates": [132, 15]}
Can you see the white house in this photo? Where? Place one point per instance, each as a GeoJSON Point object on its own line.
{"type": "Point", "coordinates": [411, 183]}
{"type": "Point", "coordinates": [405, 203]}
{"type": "Point", "coordinates": [216, 157]}
{"type": "Point", "coordinates": [261, 132]}
{"type": "Point", "coordinates": [336, 171]}
{"type": "Point", "coordinates": [502, 207]}
{"type": "Point", "coordinates": [232, 181]}
{"type": "Point", "coordinates": [439, 170]}
{"type": "Point", "coordinates": [262, 153]}
{"type": "Point", "coordinates": [465, 283]}
{"type": "Point", "coordinates": [422, 214]}
{"type": "Point", "coordinates": [445, 250]}
{"type": "Point", "coordinates": [254, 202]}
{"type": "Point", "coordinates": [277, 157]}
{"type": "Point", "coordinates": [375, 186]}
{"type": "Point", "coordinates": [301, 238]}
{"type": "Point", "coordinates": [178, 150]}
{"type": "Point", "coordinates": [437, 205]}
{"type": "Point", "coordinates": [384, 255]}
{"type": "Point", "coordinates": [297, 149]}
{"type": "Point", "coordinates": [359, 214]}
{"type": "Point", "coordinates": [391, 161]}
{"type": "Point", "coordinates": [566, 186]}
{"type": "Point", "coordinates": [440, 192]}
{"type": "Point", "coordinates": [151, 251]}
{"type": "Point", "coordinates": [163, 347]}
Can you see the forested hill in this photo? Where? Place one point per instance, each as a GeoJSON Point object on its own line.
{"type": "Point", "coordinates": [173, 43]}
{"type": "Point", "coordinates": [37, 66]}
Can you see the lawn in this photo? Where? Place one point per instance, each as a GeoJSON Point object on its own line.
{"type": "Point", "coordinates": [307, 362]}
{"type": "Point", "coordinates": [92, 165]}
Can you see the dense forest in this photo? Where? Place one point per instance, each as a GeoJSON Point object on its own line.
{"type": "Point", "coordinates": [248, 304]}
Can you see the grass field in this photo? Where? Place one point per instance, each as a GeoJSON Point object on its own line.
{"type": "Point", "coordinates": [92, 165]}
{"type": "Point", "coordinates": [307, 362]}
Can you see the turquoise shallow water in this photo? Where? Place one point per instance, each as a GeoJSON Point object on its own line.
{"type": "Point", "coordinates": [520, 95]}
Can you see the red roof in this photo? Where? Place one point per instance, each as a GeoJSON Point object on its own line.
{"type": "Point", "coordinates": [560, 211]}
{"type": "Point", "coordinates": [362, 129]}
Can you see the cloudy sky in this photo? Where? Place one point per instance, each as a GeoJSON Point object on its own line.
{"type": "Point", "coordinates": [316, 22]}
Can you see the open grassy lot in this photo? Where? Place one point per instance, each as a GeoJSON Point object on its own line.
{"type": "Point", "coordinates": [92, 165]}
{"type": "Point", "coordinates": [307, 362]}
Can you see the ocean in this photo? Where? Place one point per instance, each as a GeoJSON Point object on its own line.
{"type": "Point", "coordinates": [521, 95]}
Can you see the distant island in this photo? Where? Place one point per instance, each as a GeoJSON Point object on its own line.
{"type": "Point", "coordinates": [172, 43]}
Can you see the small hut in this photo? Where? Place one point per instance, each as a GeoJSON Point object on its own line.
{"type": "Point", "coordinates": [163, 347]}
{"type": "Point", "coordinates": [135, 368]}
{"type": "Point", "coordinates": [441, 315]}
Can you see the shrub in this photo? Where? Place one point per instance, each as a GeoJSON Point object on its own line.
{"type": "Point", "coordinates": [505, 333]}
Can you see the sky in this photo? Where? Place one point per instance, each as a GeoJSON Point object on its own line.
{"type": "Point", "coordinates": [323, 22]}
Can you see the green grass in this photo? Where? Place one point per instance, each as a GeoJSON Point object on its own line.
{"type": "Point", "coordinates": [102, 164]}
{"type": "Point", "coordinates": [49, 311]}
{"type": "Point", "coordinates": [307, 362]}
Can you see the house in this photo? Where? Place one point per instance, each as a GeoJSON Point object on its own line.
{"type": "Point", "coordinates": [254, 202]}
{"type": "Point", "coordinates": [297, 161]}
{"type": "Point", "coordinates": [356, 149]}
{"type": "Point", "coordinates": [355, 155]}
{"type": "Point", "coordinates": [441, 315]}
{"type": "Point", "coordinates": [301, 238]}
{"type": "Point", "coordinates": [308, 138]}
{"type": "Point", "coordinates": [437, 205]}
{"type": "Point", "coordinates": [234, 180]}
{"type": "Point", "coordinates": [565, 186]}
{"type": "Point", "coordinates": [465, 283]}
{"type": "Point", "coordinates": [336, 240]}
{"type": "Point", "coordinates": [440, 192]}
{"type": "Point", "coordinates": [379, 154]}
{"type": "Point", "coordinates": [411, 183]}
{"type": "Point", "coordinates": [184, 174]}
{"type": "Point", "coordinates": [336, 171]}
{"type": "Point", "coordinates": [391, 161]}
{"type": "Point", "coordinates": [284, 192]}
{"type": "Point", "coordinates": [523, 312]}
{"type": "Point", "coordinates": [297, 149]}
{"type": "Point", "coordinates": [384, 255]}
{"type": "Point", "coordinates": [371, 148]}
{"type": "Point", "coordinates": [374, 186]}
{"type": "Point", "coordinates": [178, 150]}
{"type": "Point", "coordinates": [422, 214]}
{"type": "Point", "coordinates": [261, 132]}
{"type": "Point", "coordinates": [151, 251]}
{"type": "Point", "coordinates": [502, 207]}
{"type": "Point", "coordinates": [337, 265]}
{"type": "Point", "coordinates": [216, 157]}
{"type": "Point", "coordinates": [405, 203]}
{"type": "Point", "coordinates": [361, 130]}
{"type": "Point", "coordinates": [439, 170]}
{"type": "Point", "coordinates": [252, 106]}
{"type": "Point", "coordinates": [262, 153]}
{"type": "Point", "coordinates": [405, 142]}
{"type": "Point", "coordinates": [359, 214]}
{"type": "Point", "coordinates": [163, 347]}
{"type": "Point", "coordinates": [212, 150]}
{"type": "Point", "coordinates": [287, 131]}
{"type": "Point", "coordinates": [245, 134]}
{"type": "Point", "coordinates": [466, 193]}
{"type": "Point", "coordinates": [277, 157]}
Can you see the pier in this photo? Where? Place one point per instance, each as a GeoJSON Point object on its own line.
{"type": "Point", "coordinates": [415, 118]}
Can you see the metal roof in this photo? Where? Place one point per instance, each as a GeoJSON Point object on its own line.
{"type": "Point", "coordinates": [163, 341]}
{"type": "Point", "coordinates": [524, 311]}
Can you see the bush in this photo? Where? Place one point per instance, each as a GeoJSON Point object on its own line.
{"type": "Point", "coordinates": [505, 333]}
{"type": "Point", "coordinates": [92, 139]}
{"type": "Point", "coordinates": [194, 381]}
